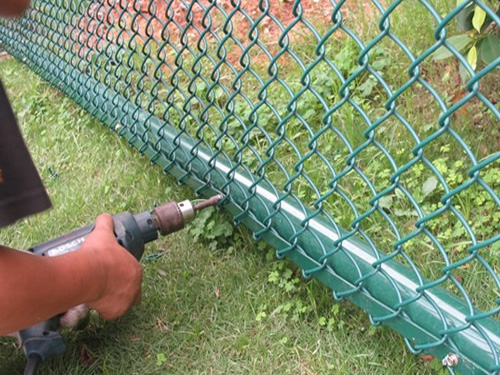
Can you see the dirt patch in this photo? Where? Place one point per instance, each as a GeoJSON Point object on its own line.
{"type": "Point", "coordinates": [237, 25]}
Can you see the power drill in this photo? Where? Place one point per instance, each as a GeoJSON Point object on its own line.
{"type": "Point", "coordinates": [43, 341]}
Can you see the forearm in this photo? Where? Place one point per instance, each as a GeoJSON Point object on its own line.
{"type": "Point", "coordinates": [34, 288]}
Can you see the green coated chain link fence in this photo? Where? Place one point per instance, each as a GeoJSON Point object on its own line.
{"type": "Point", "coordinates": [360, 138]}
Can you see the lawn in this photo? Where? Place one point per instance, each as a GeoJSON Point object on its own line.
{"type": "Point", "coordinates": [209, 306]}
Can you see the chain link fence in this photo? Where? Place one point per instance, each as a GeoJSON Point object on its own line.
{"type": "Point", "coordinates": [360, 139]}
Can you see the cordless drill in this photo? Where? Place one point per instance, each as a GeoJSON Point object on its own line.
{"type": "Point", "coordinates": [43, 340]}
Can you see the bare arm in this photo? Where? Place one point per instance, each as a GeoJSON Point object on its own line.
{"type": "Point", "coordinates": [101, 274]}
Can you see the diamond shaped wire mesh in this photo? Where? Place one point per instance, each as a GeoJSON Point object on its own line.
{"type": "Point", "coordinates": [361, 139]}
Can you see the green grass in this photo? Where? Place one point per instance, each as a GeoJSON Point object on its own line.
{"type": "Point", "coordinates": [204, 311]}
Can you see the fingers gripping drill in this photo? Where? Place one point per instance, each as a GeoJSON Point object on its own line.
{"type": "Point", "coordinates": [43, 341]}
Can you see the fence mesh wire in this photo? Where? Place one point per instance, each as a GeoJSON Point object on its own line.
{"type": "Point", "coordinates": [360, 138]}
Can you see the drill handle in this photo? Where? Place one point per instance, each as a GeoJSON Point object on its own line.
{"type": "Point", "coordinates": [131, 232]}
{"type": "Point", "coordinates": [63, 244]}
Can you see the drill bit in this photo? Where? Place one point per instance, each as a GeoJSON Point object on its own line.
{"type": "Point", "coordinates": [208, 202]}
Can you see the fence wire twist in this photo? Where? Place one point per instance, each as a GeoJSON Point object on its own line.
{"type": "Point", "coordinates": [360, 139]}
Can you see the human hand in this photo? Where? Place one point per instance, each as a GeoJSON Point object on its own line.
{"type": "Point", "coordinates": [119, 275]}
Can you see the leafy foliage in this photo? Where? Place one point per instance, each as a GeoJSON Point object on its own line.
{"type": "Point", "coordinates": [479, 41]}
{"type": "Point", "coordinates": [211, 229]}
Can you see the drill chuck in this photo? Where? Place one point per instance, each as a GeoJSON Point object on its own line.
{"type": "Point", "coordinates": [172, 216]}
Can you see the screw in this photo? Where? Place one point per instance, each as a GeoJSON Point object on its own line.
{"type": "Point", "coordinates": [451, 360]}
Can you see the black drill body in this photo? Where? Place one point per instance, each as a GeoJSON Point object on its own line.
{"type": "Point", "coordinates": [43, 340]}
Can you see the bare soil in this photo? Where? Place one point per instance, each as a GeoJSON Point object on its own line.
{"type": "Point", "coordinates": [199, 23]}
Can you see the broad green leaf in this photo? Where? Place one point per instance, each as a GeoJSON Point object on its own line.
{"type": "Point", "coordinates": [478, 18]}
{"type": "Point", "coordinates": [430, 185]}
{"type": "Point", "coordinates": [458, 41]}
{"type": "Point", "coordinates": [489, 49]}
{"type": "Point", "coordinates": [385, 202]}
{"type": "Point", "coordinates": [464, 18]}
{"type": "Point", "coordinates": [472, 57]}
{"type": "Point", "coordinates": [161, 358]}
{"type": "Point", "coordinates": [464, 73]}
{"type": "Point", "coordinates": [260, 316]}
